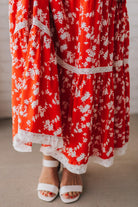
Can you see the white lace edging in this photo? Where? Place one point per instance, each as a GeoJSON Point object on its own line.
{"type": "Point", "coordinates": [19, 145]}
{"type": "Point", "coordinates": [91, 70]}
{"type": "Point", "coordinates": [35, 22]}
{"type": "Point", "coordinates": [81, 169]}
{"type": "Point", "coordinates": [39, 24]}
{"type": "Point", "coordinates": [109, 162]}
{"type": "Point", "coordinates": [20, 26]}
{"type": "Point", "coordinates": [77, 70]}
{"type": "Point", "coordinates": [78, 169]}
{"type": "Point", "coordinates": [23, 137]}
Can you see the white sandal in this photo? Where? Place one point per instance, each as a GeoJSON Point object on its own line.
{"type": "Point", "coordinates": [48, 187]}
{"type": "Point", "coordinates": [70, 188]}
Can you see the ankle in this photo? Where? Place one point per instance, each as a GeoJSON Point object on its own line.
{"type": "Point", "coordinates": [48, 157]}
{"type": "Point", "coordinates": [67, 172]}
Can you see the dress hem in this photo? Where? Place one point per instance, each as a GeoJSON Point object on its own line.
{"type": "Point", "coordinates": [110, 161]}
{"type": "Point", "coordinates": [22, 138]}
{"type": "Point", "coordinates": [77, 169]}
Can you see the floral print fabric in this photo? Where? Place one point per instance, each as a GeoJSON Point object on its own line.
{"type": "Point", "coordinates": [70, 79]}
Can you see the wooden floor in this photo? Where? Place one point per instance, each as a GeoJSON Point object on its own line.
{"type": "Point", "coordinates": [116, 186]}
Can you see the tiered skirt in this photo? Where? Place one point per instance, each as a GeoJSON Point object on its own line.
{"type": "Point", "coordinates": [70, 79]}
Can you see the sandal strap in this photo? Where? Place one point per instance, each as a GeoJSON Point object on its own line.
{"type": "Point", "coordinates": [70, 188]}
{"type": "Point", "coordinates": [47, 187]}
{"type": "Point", "coordinates": [50, 163]}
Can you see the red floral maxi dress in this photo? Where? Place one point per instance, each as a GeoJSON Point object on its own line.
{"type": "Point", "coordinates": [70, 79]}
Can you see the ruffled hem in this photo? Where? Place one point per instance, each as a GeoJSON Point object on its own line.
{"type": "Point", "coordinates": [52, 151]}
{"type": "Point", "coordinates": [110, 161]}
{"type": "Point", "coordinates": [23, 140]}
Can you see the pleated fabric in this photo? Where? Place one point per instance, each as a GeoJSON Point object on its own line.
{"type": "Point", "coordinates": [70, 79]}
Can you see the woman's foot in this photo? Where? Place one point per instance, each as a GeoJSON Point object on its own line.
{"type": "Point", "coordinates": [69, 178]}
{"type": "Point", "coordinates": [49, 175]}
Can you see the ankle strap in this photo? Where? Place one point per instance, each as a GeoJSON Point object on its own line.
{"type": "Point", "coordinates": [50, 163]}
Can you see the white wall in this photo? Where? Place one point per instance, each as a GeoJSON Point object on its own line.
{"type": "Point", "coordinates": [5, 62]}
{"type": "Point", "coordinates": [5, 58]}
{"type": "Point", "coordinates": [132, 6]}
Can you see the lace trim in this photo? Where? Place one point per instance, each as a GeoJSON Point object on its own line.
{"type": "Point", "coordinates": [24, 137]}
{"type": "Point", "coordinates": [36, 22]}
{"type": "Point", "coordinates": [39, 24]}
{"type": "Point", "coordinates": [78, 169]}
{"type": "Point", "coordinates": [77, 70]}
{"type": "Point", "coordinates": [109, 162]}
{"type": "Point", "coordinates": [20, 146]}
{"type": "Point", "coordinates": [61, 62]}
{"type": "Point", "coordinates": [20, 26]}
{"type": "Point", "coordinates": [91, 70]}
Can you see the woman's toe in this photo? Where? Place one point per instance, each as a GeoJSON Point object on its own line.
{"type": "Point", "coordinates": [75, 194]}
{"type": "Point", "coordinates": [50, 194]}
{"type": "Point", "coordinates": [71, 194]}
{"type": "Point", "coordinates": [66, 195]}
{"type": "Point", "coordinates": [45, 193]}
{"type": "Point", "coordinates": [42, 192]}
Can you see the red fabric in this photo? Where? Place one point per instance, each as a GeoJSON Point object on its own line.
{"type": "Point", "coordinates": [70, 78]}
